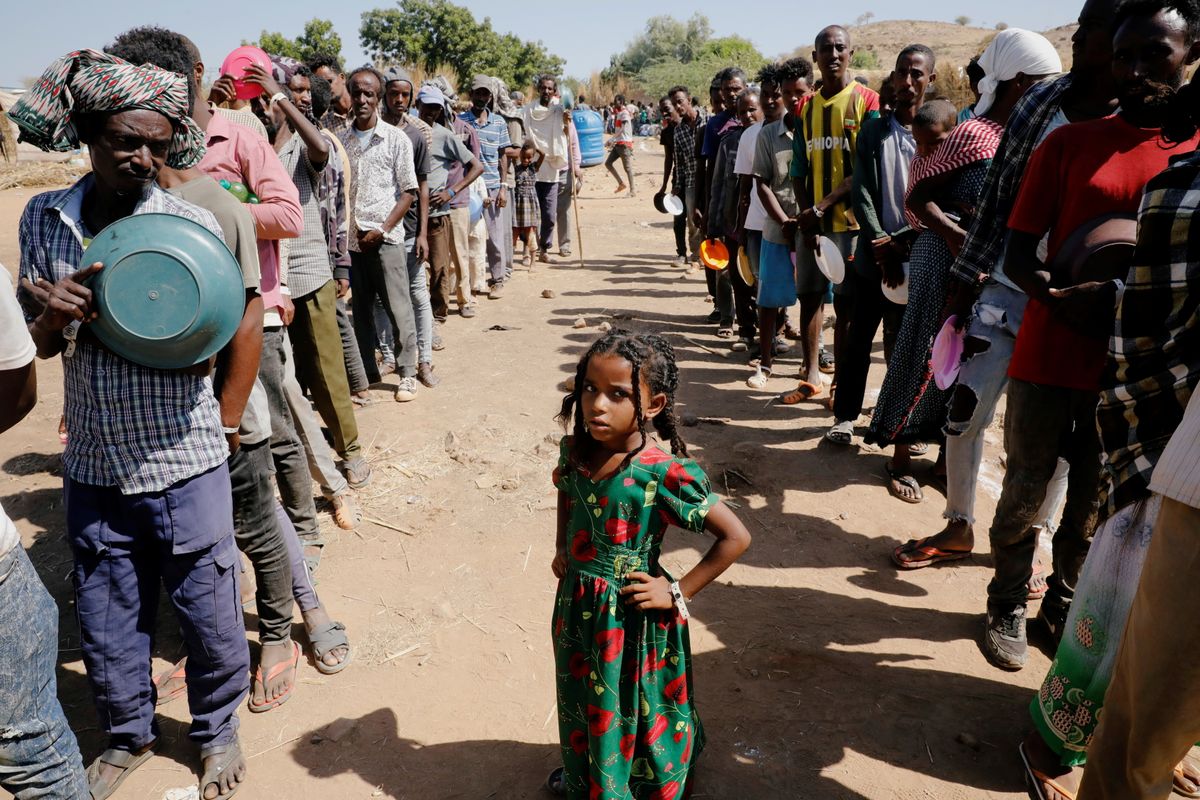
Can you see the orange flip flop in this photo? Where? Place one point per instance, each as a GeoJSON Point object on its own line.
{"type": "Point", "coordinates": [805, 391]}
{"type": "Point", "coordinates": [271, 675]}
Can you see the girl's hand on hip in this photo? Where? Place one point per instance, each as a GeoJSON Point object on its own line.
{"type": "Point", "coordinates": [645, 592]}
{"type": "Point", "coordinates": [559, 565]}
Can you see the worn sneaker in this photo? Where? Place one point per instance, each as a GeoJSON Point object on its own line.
{"type": "Point", "coordinates": [759, 379]}
{"type": "Point", "coordinates": [406, 392]}
{"type": "Point", "coordinates": [680, 261]}
{"type": "Point", "coordinates": [741, 345]}
{"type": "Point", "coordinates": [1004, 641]}
{"type": "Point", "coordinates": [496, 291]}
{"type": "Point", "coordinates": [781, 345]}
{"type": "Point", "coordinates": [1053, 617]}
{"type": "Point", "coordinates": [467, 312]}
{"type": "Point", "coordinates": [425, 374]}
{"type": "Point", "coordinates": [357, 472]}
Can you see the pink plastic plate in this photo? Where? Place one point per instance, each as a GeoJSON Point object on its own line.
{"type": "Point", "coordinates": [947, 353]}
{"type": "Point", "coordinates": [235, 65]}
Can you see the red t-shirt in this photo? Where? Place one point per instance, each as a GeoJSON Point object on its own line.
{"type": "Point", "coordinates": [1082, 171]}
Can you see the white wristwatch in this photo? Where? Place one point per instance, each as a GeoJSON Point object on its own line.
{"type": "Point", "coordinates": [680, 600]}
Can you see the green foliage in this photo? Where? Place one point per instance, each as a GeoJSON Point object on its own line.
{"type": "Point", "coordinates": [671, 52]}
{"type": "Point", "coordinates": [429, 33]}
{"type": "Point", "coordinates": [318, 37]}
{"type": "Point", "coordinates": [865, 59]}
{"type": "Point", "coordinates": [963, 20]}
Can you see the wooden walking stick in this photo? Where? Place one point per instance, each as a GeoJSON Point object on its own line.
{"type": "Point", "coordinates": [574, 184]}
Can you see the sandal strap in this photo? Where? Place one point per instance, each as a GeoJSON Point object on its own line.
{"type": "Point", "coordinates": [327, 638]}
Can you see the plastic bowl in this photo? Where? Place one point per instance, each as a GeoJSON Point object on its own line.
{"type": "Point", "coordinates": [658, 202]}
{"type": "Point", "coordinates": [947, 353]}
{"type": "Point", "coordinates": [899, 294]}
{"type": "Point", "coordinates": [829, 260]}
{"type": "Point", "coordinates": [235, 65]}
{"type": "Point", "coordinates": [714, 254]}
{"type": "Point", "coordinates": [170, 294]}
{"type": "Point", "coordinates": [673, 205]}
{"type": "Point", "coordinates": [475, 205]}
{"type": "Point", "coordinates": [743, 262]}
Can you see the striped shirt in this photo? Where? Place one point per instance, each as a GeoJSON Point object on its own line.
{"type": "Point", "coordinates": [823, 151]}
{"type": "Point", "coordinates": [308, 265]}
{"type": "Point", "coordinates": [133, 427]}
{"type": "Point", "coordinates": [1177, 475]}
{"type": "Point", "coordinates": [493, 138]}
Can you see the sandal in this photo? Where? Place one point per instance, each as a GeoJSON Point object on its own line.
{"type": "Point", "coordinates": [175, 672]}
{"type": "Point", "coordinates": [1180, 781]}
{"type": "Point", "coordinates": [273, 673]}
{"type": "Point", "coordinates": [918, 448]}
{"type": "Point", "coordinates": [759, 379]}
{"type": "Point", "coordinates": [841, 433]}
{"type": "Point", "coordinates": [325, 639]}
{"type": "Point", "coordinates": [232, 756]}
{"type": "Point", "coordinates": [725, 332]}
{"type": "Point", "coordinates": [805, 391]}
{"type": "Point", "coordinates": [1035, 779]}
{"type": "Point", "coordinates": [127, 760]}
{"type": "Point", "coordinates": [903, 480]}
{"type": "Point", "coordinates": [556, 783]}
{"type": "Point", "coordinates": [825, 362]}
{"type": "Point", "coordinates": [1036, 589]}
{"type": "Point", "coordinates": [926, 554]}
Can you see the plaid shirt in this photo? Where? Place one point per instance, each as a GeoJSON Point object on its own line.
{"type": "Point", "coordinates": [332, 191]}
{"type": "Point", "coordinates": [133, 427]}
{"type": "Point", "coordinates": [1154, 352]}
{"type": "Point", "coordinates": [985, 240]}
{"type": "Point", "coordinates": [684, 152]}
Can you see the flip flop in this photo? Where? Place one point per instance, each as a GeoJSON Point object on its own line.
{"type": "Point", "coordinates": [906, 480]}
{"type": "Point", "coordinates": [232, 753]}
{"type": "Point", "coordinates": [325, 639]}
{"type": "Point", "coordinates": [176, 671]}
{"type": "Point", "coordinates": [842, 433]}
{"type": "Point", "coordinates": [1035, 779]}
{"type": "Point", "coordinates": [918, 448]}
{"type": "Point", "coordinates": [271, 675]}
{"type": "Point", "coordinates": [1178, 778]}
{"type": "Point", "coordinates": [724, 333]}
{"type": "Point", "coordinates": [128, 761]}
{"type": "Point", "coordinates": [929, 554]}
{"type": "Point", "coordinates": [805, 391]}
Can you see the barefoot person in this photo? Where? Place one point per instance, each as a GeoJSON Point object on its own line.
{"type": "Point", "coordinates": [147, 491]}
{"type": "Point", "coordinates": [618, 613]}
{"type": "Point", "coordinates": [621, 145]}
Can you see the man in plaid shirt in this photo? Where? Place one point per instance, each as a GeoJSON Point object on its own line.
{"type": "Point", "coordinates": [994, 305]}
{"type": "Point", "coordinates": [683, 182]}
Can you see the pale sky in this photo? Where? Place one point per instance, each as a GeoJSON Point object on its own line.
{"type": "Point", "coordinates": [586, 35]}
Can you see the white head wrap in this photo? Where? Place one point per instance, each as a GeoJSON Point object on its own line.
{"type": "Point", "coordinates": [1014, 51]}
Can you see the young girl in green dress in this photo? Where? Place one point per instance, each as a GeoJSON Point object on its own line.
{"type": "Point", "coordinates": [627, 723]}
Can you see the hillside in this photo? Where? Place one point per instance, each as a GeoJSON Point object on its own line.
{"type": "Point", "coordinates": [954, 44]}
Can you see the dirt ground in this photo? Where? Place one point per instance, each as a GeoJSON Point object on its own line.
{"type": "Point", "coordinates": [820, 672]}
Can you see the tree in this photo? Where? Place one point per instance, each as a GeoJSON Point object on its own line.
{"type": "Point", "coordinates": [863, 19]}
{"type": "Point", "coordinates": [318, 37]}
{"type": "Point", "coordinates": [664, 39]}
{"type": "Point", "coordinates": [963, 20]}
{"type": "Point", "coordinates": [865, 59]}
{"type": "Point", "coordinates": [432, 33]}
{"type": "Point", "coordinates": [1001, 26]}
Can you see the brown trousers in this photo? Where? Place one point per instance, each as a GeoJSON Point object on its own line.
{"type": "Point", "coordinates": [440, 235]}
{"type": "Point", "coordinates": [1152, 709]}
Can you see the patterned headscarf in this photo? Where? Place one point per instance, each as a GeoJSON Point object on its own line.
{"type": "Point", "coordinates": [283, 68]}
{"type": "Point", "coordinates": [91, 81]}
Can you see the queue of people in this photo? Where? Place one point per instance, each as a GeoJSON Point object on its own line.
{"type": "Point", "coordinates": [1047, 228]}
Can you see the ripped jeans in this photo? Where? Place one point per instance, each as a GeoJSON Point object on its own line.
{"type": "Point", "coordinates": [991, 336]}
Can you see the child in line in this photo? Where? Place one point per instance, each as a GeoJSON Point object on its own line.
{"type": "Point", "coordinates": [526, 214]}
{"type": "Point", "coordinates": [627, 724]}
{"type": "Point", "coordinates": [932, 125]}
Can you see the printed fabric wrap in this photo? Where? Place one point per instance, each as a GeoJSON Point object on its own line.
{"type": "Point", "coordinates": [86, 81]}
{"type": "Point", "coordinates": [974, 140]}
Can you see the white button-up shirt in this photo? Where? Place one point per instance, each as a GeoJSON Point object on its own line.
{"type": "Point", "coordinates": [380, 171]}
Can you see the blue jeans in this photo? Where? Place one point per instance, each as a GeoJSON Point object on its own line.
{"type": "Point", "coordinates": [38, 753]}
{"type": "Point", "coordinates": [418, 288]}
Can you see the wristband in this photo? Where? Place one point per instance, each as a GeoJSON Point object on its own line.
{"type": "Point", "coordinates": [680, 601]}
{"type": "Point", "coordinates": [229, 431]}
{"type": "Point", "coordinates": [452, 192]}
{"type": "Point", "coordinates": [818, 213]}
{"type": "Point", "coordinates": [275, 98]}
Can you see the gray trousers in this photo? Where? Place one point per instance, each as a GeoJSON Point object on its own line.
{"type": "Point", "coordinates": [499, 239]}
{"type": "Point", "coordinates": [384, 274]}
{"type": "Point", "coordinates": [566, 211]}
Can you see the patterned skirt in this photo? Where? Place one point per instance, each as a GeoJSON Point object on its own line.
{"type": "Point", "coordinates": [526, 213]}
{"type": "Point", "coordinates": [911, 408]}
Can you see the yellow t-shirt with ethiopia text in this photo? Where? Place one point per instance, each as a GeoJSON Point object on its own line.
{"type": "Point", "coordinates": [823, 153]}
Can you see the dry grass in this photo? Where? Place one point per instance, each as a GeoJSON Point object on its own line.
{"type": "Point", "coordinates": [38, 174]}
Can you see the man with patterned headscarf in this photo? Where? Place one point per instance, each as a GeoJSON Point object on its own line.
{"type": "Point", "coordinates": [147, 489]}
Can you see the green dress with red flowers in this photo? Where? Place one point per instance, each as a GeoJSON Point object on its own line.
{"type": "Point", "coordinates": [626, 722]}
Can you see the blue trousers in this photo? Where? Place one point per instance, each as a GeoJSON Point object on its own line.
{"type": "Point", "coordinates": [39, 757]}
{"type": "Point", "coordinates": [125, 546]}
{"type": "Point", "coordinates": [547, 195]}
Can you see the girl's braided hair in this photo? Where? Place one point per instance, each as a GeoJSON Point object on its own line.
{"type": "Point", "coordinates": [653, 362]}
